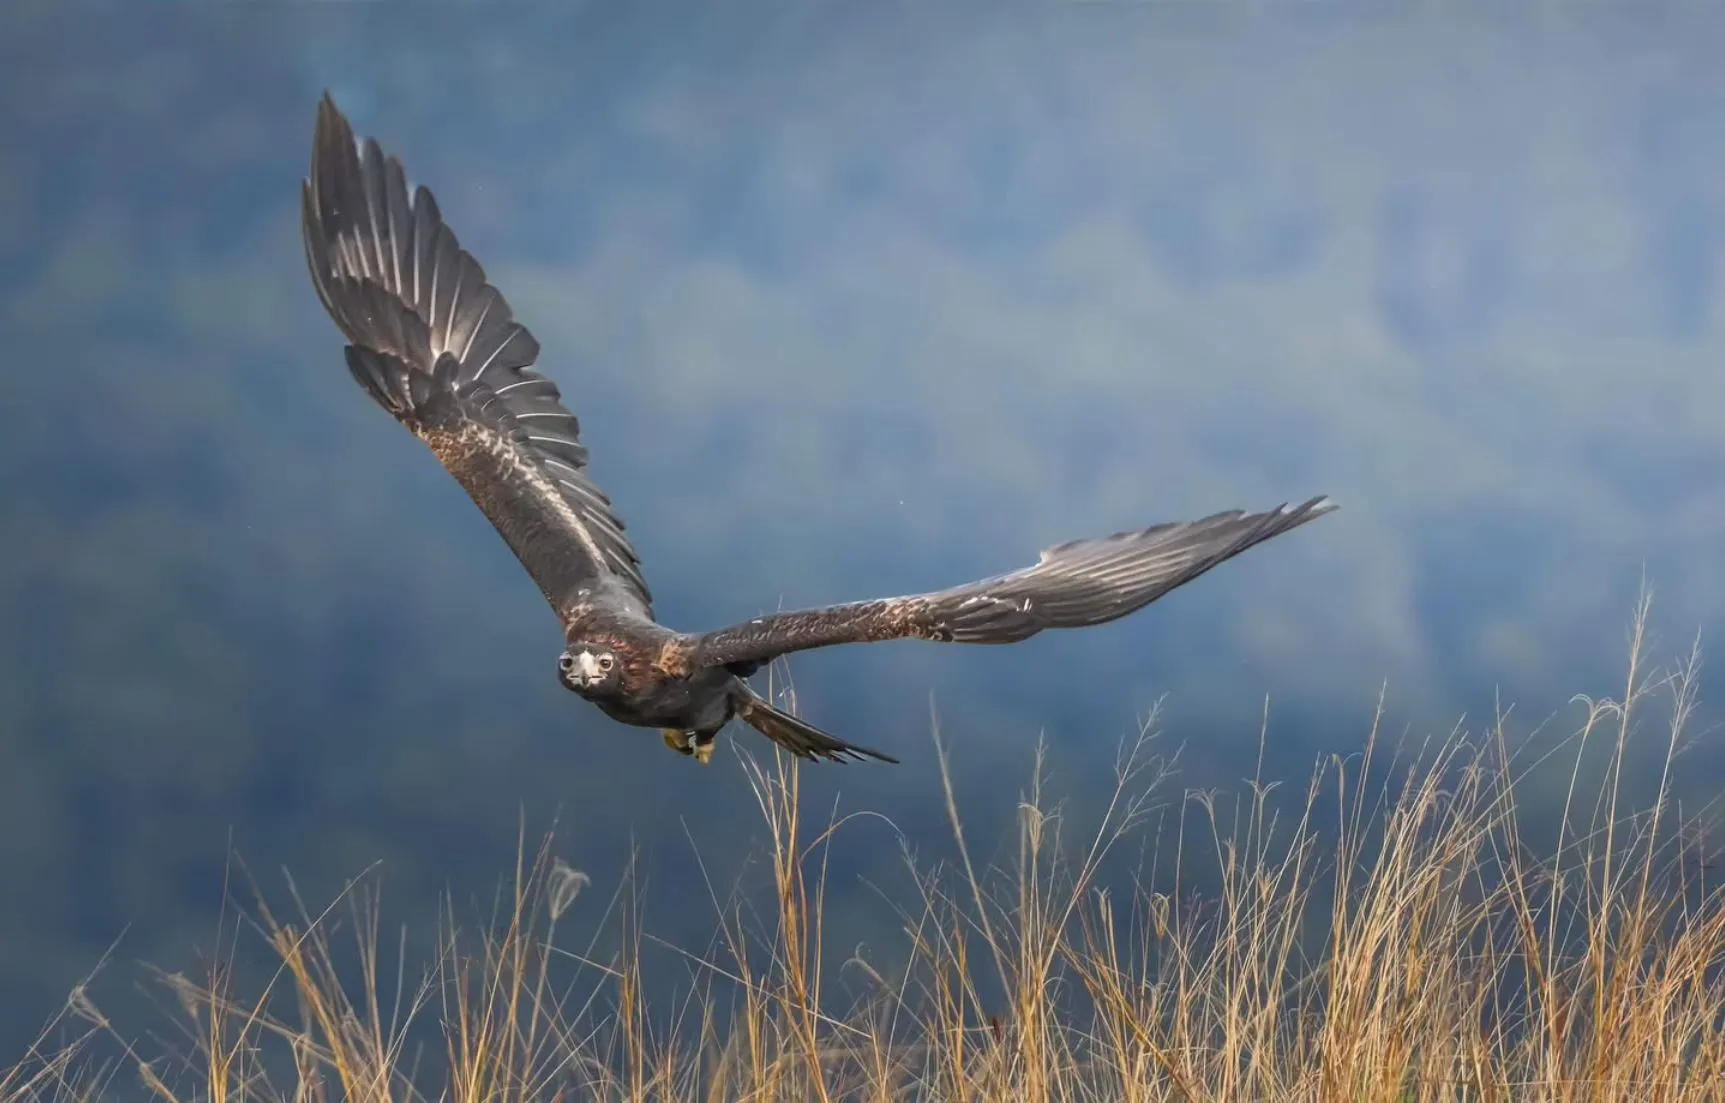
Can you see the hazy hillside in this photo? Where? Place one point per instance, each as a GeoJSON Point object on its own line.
{"type": "Point", "coordinates": [850, 301]}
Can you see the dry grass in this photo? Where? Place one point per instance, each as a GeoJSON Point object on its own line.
{"type": "Point", "coordinates": [1391, 936]}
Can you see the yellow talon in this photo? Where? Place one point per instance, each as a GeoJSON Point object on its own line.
{"type": "Point", "coordinates": [703, 752]}
{"type": "Point", "coordinates": [677, 740]}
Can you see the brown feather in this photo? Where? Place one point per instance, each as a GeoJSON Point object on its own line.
{"type": "Point", "coordinates": [1072, 585]}
{"type": "Point", "coordinates": [797, 735]}
{"type": "Point", "coordinates": [426, 327]}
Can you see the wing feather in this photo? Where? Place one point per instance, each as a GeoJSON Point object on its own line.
{"type": "Point", "coordinates": [403, 291]}
{"type": "Point", "coordinates": [1072, 585]}
{"type": "Point", "coordinates": [478, 441]}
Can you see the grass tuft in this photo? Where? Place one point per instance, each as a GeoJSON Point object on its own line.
{"type": "Point", "coordinates": [1398, 932]}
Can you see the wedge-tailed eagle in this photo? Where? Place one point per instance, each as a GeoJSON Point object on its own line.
{"type": "Point", "coordinates": [437, 346]}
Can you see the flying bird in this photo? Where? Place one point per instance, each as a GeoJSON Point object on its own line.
{"type": "Point", "coordinates": [436, 345]}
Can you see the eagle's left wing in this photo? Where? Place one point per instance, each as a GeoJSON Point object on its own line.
{"type": "Point", "coordinates": [435, 344]}
{"type": "Point", "coordinates": [1079, 583]}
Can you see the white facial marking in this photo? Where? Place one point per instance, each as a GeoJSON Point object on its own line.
{"type": "Point", "coordinates": [587, 666]}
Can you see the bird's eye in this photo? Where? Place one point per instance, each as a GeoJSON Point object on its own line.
{"type": "Point", "coordinates": [566, 663]}
{"type": "Point", "coordinates": [606, 662]}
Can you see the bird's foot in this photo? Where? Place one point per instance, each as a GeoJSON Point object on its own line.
{"type": "Point", "coordinates": [696, 745]}
{"type": "Point", "coordinates": [703, 747]}
{"type": "Point", "coordinates": [678, 741]}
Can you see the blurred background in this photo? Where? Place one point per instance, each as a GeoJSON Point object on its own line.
{"type": "Point", "coordinates": [852, 300]}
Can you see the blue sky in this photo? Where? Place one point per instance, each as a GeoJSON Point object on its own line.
{"type": "Point", "coordinates": [851, 300]}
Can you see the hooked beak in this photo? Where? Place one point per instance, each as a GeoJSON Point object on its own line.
{"type": "Point", "coordinates": [586, 670]}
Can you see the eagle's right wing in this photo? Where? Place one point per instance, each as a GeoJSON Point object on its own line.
{"type": "Point", "coordinates": [438, 347]}
{"type": "Point", "coordinates": [1079, 583]}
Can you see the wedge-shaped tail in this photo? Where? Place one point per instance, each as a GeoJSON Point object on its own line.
{"type": "Point", "coordinates": [796, 736]}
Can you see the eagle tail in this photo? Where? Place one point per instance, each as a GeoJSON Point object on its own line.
{"type": "Point", "coordinates": [796, 736]}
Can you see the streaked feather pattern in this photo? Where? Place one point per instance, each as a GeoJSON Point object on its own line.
{"type": "Point", "coordinates": [1072, 585]}
{"type": "Point", "coordinates": [399, 285]}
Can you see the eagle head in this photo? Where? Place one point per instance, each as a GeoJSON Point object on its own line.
{"type": "Point", "coordinates": [590, 670]}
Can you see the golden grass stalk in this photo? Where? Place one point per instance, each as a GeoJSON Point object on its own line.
{"type": "Point", "coordinates": [1397, 933]}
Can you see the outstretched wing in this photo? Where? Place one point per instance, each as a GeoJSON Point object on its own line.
{"type": "Point", "coordinates": [1075, 584]}
{"type": "Point", "coordinates": [439, 348]}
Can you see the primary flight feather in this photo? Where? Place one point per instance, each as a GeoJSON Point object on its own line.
{"type": "Point", "coordinates": [437, 346]}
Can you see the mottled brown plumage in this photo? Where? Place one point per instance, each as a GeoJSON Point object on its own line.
{"type": "Point", "coordinates": [437, 346]}
{"type": "Point", "coordinates": [1075, 584]}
